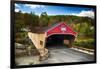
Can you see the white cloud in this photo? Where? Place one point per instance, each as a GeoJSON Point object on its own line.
{"type": "Point", "coordinates": [34, 6]}
{"type": "Point", "coordinates": [17, 10]}
{"type": "Point", "coordinates": [16, 5]}
{"type": "Point", "coordinates": [85, 14]}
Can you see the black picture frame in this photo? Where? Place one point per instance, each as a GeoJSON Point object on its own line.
{"type": "Point", "coordinates": [12, 58]}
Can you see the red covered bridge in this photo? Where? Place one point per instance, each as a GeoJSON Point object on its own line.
{"type": "Point", "coordinates": [59, 32]}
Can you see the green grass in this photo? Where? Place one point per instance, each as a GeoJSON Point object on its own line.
{"type": "Point", "coordinates": [86, 43]}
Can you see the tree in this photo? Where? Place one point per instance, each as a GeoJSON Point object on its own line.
{"type": "Point", "coordinates": [44, 20]}
{"type": "Point", "coordinates": [19, 22]}
{"type": "Point", "coordinates": [35, 19]}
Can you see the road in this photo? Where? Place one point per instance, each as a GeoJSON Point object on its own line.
{"type": "Point", "coordinates": [62, 54]}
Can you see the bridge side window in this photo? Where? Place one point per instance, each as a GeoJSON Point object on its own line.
{"type": "Point", "coordinates": [41, 42]}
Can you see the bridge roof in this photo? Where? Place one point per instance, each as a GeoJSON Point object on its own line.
{"type": "Point", "coordinates": [58, 28]}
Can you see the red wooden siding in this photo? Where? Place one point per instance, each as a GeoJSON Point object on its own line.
{"type": "Point", "coordinates": [61, 28]}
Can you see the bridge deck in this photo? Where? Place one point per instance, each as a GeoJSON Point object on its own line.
{"type": "Point", "coordinates": [59, 54]}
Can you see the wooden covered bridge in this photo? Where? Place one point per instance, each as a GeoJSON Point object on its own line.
{"type": "Point", "coordinates": [40, 36]}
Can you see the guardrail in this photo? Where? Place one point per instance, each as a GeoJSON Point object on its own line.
{"type": "Point", "coordinates": [84, 49]}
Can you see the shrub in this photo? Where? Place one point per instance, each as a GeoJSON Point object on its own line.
{"type": "Point", "coordinates": [89, 43]}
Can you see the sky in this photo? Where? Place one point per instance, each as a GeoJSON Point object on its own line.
{"type": "Point", "coordinates": [55, 10]}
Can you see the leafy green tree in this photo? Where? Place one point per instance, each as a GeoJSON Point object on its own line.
{"type": "Point", "coordinates": [19, 22]}
{"type": "Point", "coordinates": [44, 20]}
{"type": "Point", "coordinates": [35, 19]}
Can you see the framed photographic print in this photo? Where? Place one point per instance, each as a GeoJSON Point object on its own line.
{"type": "Point", "coordinates": [50, 34]}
